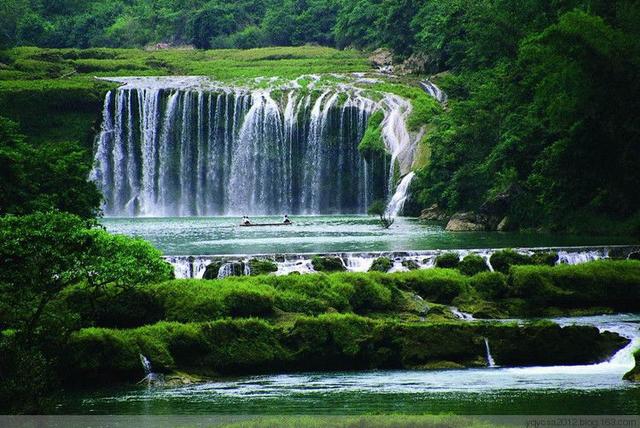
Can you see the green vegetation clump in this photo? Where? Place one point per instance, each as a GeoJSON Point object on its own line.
{"type": "Point", "coordinates": [262, 267]}
{"type": "Point", "coordinates": [372, 145]}
{"type": "Point", "coordinates": [328, 264]}
{"type": "Point", "coordinates": [503, 260]}
{"type": "Point", "coordinates": [410, 264]}
{"type": "Point", "coordinates": [490, 285]}
{"type": "Point", "coordinates": [381, 264]}
{"type": "Point", "coordinates": [472, 264]}
{"type": "Point", "coordinates": [448, 260]}
{"type": "Point", "coordinates": [600, 283]}
{"type": "Point", "coordinates": [634, 374]}
{"type": "Point", "coordinates": [326, 342]}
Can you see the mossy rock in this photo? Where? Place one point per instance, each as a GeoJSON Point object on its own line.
{"type": "Point", "coordinates": [548, 259]}
{"type": "Point", "coordinates": [490, 285]}
{"type": "Point", "coordinates": [381, 264]}
{"type": "Point", "coordinates": [472, 264]}
{"type": "Point", "coordinates": [448, 260]}
{"type": "Point", "coordinates": [503, 260]}
{"type": "Point", "coordinates": [328, 264]}
{"type": "Point", "coordinates": [634, 374]}
{"type": "Point", "coordinates": [410, 264]}
{"type": "Point", "coordinates": [262, 267]}
{"type": "Point", "coordinates": [211, 272]}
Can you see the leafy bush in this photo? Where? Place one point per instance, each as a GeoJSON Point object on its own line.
{"type": "Point", "coordinates": [472, 264]}
{"type": "Point", "coordinates": [448, 260]}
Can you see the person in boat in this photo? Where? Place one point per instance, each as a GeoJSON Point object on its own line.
{"type": "Point", "coordinates": [286, 219]}
{"type": "Point", "coordinates": [245, 220]}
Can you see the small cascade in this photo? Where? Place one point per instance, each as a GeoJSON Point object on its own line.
{"type": "Point", "coordinates": [461, 315]}
{"type": "Point", "coordinates": [195, 266]}
{"type": "Point", "coordinates": [149, 376]}
{"type": "Point", "coordinates": [400, 196]}
{"type": "Point", "coordinates": [431, 89]}
{"type": "Point", "coordinates": [490, 361]}
{"type": "Point", "coordinates": [225, 270]}
{"type": "Point", "coordinates": [359, 263]}
{"type": "Point", "coordinates": [574, 258]}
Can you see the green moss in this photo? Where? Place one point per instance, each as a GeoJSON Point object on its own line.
{"type": "Point", "coordinates": [326, 342]}
{"type": "Point", "coordinates": [634, 374]}
{"type": "Point", "coordinates": [490, 285]}
{"type": "Point", "coordinates": [262, 267]}
{"type": "Point", "coordinates": [410, 264]}
{"type": "Point", "coordinates": [381, 264]}
{"type": "Point", "coordinates": [504, 259]}
{"type": "Point", "coordinates": [472, 264]}
{"type": "Point", "coordinates": [372, 144]}
{"type": "Point", "coordinates": [327, 264]}
{"type": "Point", "coordinates": [448, 260]}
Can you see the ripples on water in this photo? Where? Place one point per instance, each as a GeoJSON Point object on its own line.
{"type": "Point", "coordinates": [323, 234]}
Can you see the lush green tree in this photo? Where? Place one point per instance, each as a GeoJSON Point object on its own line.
{"type": "Point", "coordinates": [44, 253]}
{"type": "Point", "coordinates": [50, 176]}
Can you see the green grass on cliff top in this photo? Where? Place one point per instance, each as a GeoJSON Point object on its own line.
{"type": "Point", "coordinates": [78, 65]}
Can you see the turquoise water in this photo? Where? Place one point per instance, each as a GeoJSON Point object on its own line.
{"type": "Point", "coordinates": [324, 234]}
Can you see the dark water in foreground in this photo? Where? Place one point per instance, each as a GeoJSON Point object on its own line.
{"type": "Point", "coordinates": [591, 389]}
{"type": "Point", "coordinates": [325, 234]}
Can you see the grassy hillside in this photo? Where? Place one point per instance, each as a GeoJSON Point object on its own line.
{"type": "Point", "coordinates": [54, 95]}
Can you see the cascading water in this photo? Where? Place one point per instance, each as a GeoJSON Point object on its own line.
{"type": "Point", "coordinates": [191, 147]}
{"type": "Point", "coordinates": [490, 361]}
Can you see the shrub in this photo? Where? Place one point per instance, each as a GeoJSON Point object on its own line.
{"type": "Point", "coordinates": [381, 264]}
{"type": "Point", "coordinates": [503, 260]}
{"type": "Point", "coordinates": [472, 264]}
{"type": "Point", "coordinates": [490, 285]}
{"type": "Point", "coordinates": [448, 260]}
{"type": "Point", "coordinates": [328, 264]}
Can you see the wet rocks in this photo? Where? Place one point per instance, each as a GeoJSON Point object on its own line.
{"type": "Point", "coordinates": [467, 222]}
{"type": "Point", "coordinates": [433, 213]}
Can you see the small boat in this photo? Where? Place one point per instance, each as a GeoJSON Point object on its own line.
{"type": "Point", "coordinates": [265, 224]}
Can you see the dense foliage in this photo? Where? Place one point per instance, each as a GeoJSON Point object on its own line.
{"type": "Point", "coordinates": [542, 109]}
{"type": "Point", "coordinates": [49, 176]}
{"type": "Point", "coordinates": [42, 255]}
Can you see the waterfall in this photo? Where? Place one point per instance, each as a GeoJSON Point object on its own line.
{"type": "Point", "coordinates": [225, 270]}
{"type": "Point", "coordinates": [191, 147]}
{"type": "Point", "coordinates": [461, 315]}
{"type": "Point", "coordinates": [490, 361]}
{"type": "Point", "coordinates": [431, 89]}
{"type": "Point", "coordinates": [400, 196]}
{"type": "Point", "coordinates": [149, 376]}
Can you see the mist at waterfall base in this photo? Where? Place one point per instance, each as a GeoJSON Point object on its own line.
{"type": "Point", "coordinates": [190, 147]}
{"type": "Point", "coordinates": [587, 389]}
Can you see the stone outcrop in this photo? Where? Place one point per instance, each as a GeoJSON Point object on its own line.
{"type": "Point", "coordinates": [634, 374]}
{"type": "Point", "coordinates": [433, 213]}
{"type": "Point", "coordinates": [382, 59]}
{"type": "Point", "coordinates": [467, 222]}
